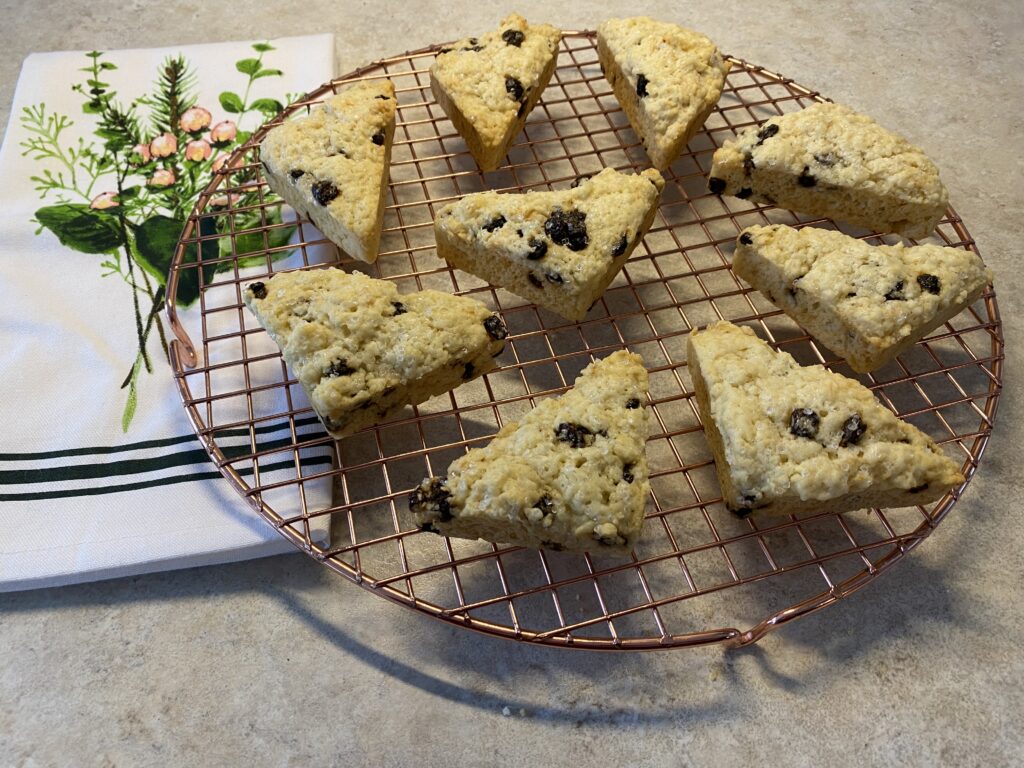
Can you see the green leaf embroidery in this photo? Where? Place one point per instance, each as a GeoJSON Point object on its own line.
{"type": "Point", "coordinates": [156, 239]}
{"type": "Point", "coordinates": [82, 228]}
{"type": "Point", "coordinates": [268, 107]}
{"type": "Point", "coordinates": [133, 396]}
{"type": "Point", "coordinates": [254, 243]}
{"type": "Point", "coordinates": [174, 92]}
{"type": "Point", "coordinates": [230, 102]}
{"type": "Point", "coordinates": [267, 73]}
{"type": "Point", "coordinates": [248, 66]}
{"type": "Point", "coordinates": [263, 47]}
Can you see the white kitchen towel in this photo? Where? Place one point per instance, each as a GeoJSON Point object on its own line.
{"type": "Point", "coordinates": [104, 155]}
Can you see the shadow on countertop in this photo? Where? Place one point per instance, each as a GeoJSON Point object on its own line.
{"type": "Point", "coordinates": [912, 602]}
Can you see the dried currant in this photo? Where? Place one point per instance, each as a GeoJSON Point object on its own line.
{"type": "Point", "coordinates": [805, 179]}
{"type": "Point", "coordinates": [496, 223]}
{"type": "Point", "coordinates": [746, 239]}
{"type": "Point", "coordinates": [853, 431]}
{"type": "Point", "coordinates": [803, 422]}
{"type": "Point", "coordinates": [896, 292]}
{"type": "Point", "coordinates": [641, 85]}
{"type": "Point", "coordinates": [495, 328]}
{"type": "Point", "coordinates": [512, 37]}
{"type": "Point", "coordinates": [339, 367]}
{"type": "Point", "coordinates": [930, 283]}
{"type": "Point", "coordinates": [633, 403]}
{"type": "Point", "coordinates": [744, 193]}
{"type": "Point", "coordinates": [259, 290]}
{"type": "Point", "coordinates": [716, 185]}
{"type": "Point", "coordinates": [377, 138]}
{"type": "Point", "coordinates": [514, 88]}
{"type": "Point", "coordinates": [296, 174]}
{"type": "Point", "coordinates": [578, 180]}
{"type": "Point", "coordinates": [534, 280]}
{"type": "Point", "coordinates": [627, 473]}
{"type": "Point", "coordinates": [538, 249]}
{"type": "Point", "coordinates": [620, 246]}
{"type": "Point", "coordinates": [765, 133]}
{"type": "Point", "coordinates": [324, 191]}
{"type": "Point", "coordinates": [576, 435]}
{"type": "Point", "coordinates": [468, 371]}
{"type": "Point", "coordinates": [399, 307]}
{"type": "Point", "coordinates": [432, 498]}
{"type": "Point", "coordinates": [568, 229]}
{"type": "Point", "coordinates": [748, 164]}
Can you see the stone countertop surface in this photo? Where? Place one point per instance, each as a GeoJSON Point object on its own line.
{"type": "Point", "coordinates": [280, 662]}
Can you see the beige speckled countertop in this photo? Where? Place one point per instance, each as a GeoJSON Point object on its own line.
{"type": "Point", "coordinates": [278, 662]}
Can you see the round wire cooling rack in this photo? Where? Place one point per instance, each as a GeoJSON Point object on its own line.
{"type": "Point", "coordinates": [698, 572]}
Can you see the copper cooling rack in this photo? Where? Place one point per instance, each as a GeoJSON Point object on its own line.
{"type": "Point", "coordinates": [699, 572]}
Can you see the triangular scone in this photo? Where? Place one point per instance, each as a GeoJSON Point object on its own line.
{"type": "Point", "coordinates": [666, 78]}
{"type": "Point", "coordinates": [557, 249]}
{"type": "Point", "coordinates": [332, 165]}
{"type": "Point", "coordinates": [827, 160]}
{"type": "Point", "coordinates": [788, 438]}
{"type": "Point", "coordinates": [571, 475]}
{"type": "Point", "coordinates": [487, 86]}
{"type": "Point", "coordinates": [867, 303]}
{"type": "Point", "coordinates": [362, 351]}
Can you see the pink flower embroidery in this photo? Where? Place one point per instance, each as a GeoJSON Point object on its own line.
{"type": "Point", "coordinates": [142, 150]}
{"type": "Point", "coordinates": [164, 177]}
{"type": "Point", "coordinates": [105, 200]}
{"type": "Point", "coordinates": [195, 119]}
{"type": "Point", "coordinates": [223, 201]}
{"type": "Point", "coordinates": [197, 150]}
{"type": "Point", "coordinates": [163, 145]}
{"type": "Point", "coordinates": [223, 131]}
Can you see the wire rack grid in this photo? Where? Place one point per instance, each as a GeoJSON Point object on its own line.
{"type": "Point", "coordinates": [698, 572]}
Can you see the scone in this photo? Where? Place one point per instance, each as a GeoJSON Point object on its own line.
{"type": "Point", "coordinates": [827, 160]}
{"type": "Point", "coordinates": [666, 78]}
{"type": "Point", "coordinates": [559, 250]}
{"type": "Point", "coordinates": [362, 351]}
{"type": "Point", "coordinates": [867, 303]}
{"type": "Point", "coordinates": [788, 438]}
{"type": "Point", "coordinates": [571, 475]}
{"type": "Point", "coordinates": [487, 86]}
{"type": "Point", "coordinates": [332, 165]}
